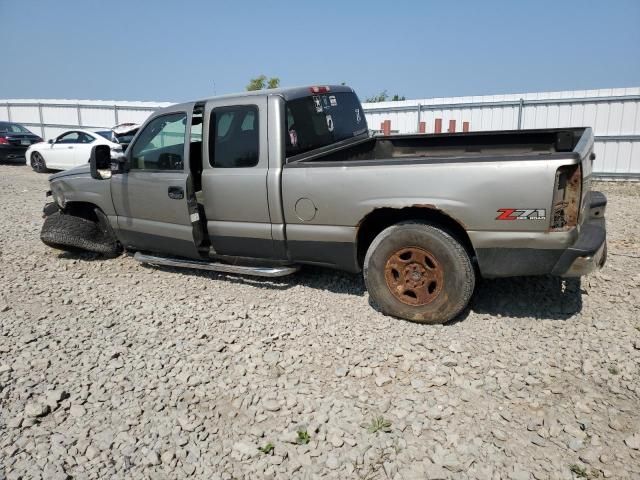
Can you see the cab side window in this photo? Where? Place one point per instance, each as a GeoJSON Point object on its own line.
{"type": "Point", "coordinates": [160, 146]}
{"type": "Point", "coordinates": [233, 137]}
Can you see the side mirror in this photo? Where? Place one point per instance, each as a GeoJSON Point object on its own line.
{"type": "Point", "coordinates": [50, 141]}
{"type": "Point", "coordinates": [100, 159]}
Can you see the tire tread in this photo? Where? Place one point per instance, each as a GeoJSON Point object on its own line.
{"type": "Point", "coordinates": [456, 247]}
{"type": "Point", "coordinates": [69, 232]}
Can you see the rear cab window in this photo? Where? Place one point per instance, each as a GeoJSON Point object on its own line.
{"type": "Point", "coordinates": [234, 137]}
{"type": "Point", "coordinates": [318, 120]}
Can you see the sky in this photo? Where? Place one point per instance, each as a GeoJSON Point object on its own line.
{"type": "Point", "coordinates": [182, 50]}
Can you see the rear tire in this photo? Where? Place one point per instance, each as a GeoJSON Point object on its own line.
{"type": "Point", "coordinates": [37, 163]}
{"type": "Point", "coordinates": [418, 272]}
{"type": "Point", "coordinates": [72, 233]}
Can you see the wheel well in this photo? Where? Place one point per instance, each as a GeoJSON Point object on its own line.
{"type": "Point", "coordinates": [82, 209]}
{"type": "Point", "coordinates": [381, 218]}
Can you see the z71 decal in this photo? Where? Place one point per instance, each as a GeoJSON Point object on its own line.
{"type": "Point", "coordinates": [522, 214]}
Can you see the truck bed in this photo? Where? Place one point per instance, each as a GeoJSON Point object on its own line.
{"type": "Point", "coordinates": [446, 147]}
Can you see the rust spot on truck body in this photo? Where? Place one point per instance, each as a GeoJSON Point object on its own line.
{"type": "Point", "coordinates": [380, 218]}
{"type": "Point", "coordinates": [567, 198]}
{"type": "Point", "coordinates": [439, 210]}
{"type": "Point", "coordinates": [427, 206]}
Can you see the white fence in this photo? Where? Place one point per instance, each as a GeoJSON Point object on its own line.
{"type": "Point", "coordinates": [49, 118]}
{"type": "Point", "coordinates": [614, 115]}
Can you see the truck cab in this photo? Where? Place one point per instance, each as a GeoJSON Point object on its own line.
{"type": "Point", "coordinates": [202, 179]}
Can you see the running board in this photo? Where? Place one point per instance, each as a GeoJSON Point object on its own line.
{"type": "Point", "coordinates": [279, 271]}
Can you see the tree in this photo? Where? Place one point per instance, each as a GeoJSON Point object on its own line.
{"type": "Point", "coordinates": [384, 97]}
{"type": "Point", "coordinates": [261, 82]}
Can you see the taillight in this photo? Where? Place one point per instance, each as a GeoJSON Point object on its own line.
{"type": "Point", "coordinates": [324, 89]}
{"type": "Point", "coordinates": [566, 198]}
{"type": "Point", "coordinates": [4, 141]}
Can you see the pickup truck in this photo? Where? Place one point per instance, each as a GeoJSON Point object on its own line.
{"type": "Point", "coordinates": [260, 183]}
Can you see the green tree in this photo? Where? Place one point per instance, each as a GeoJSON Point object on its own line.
{"type": "Point", "coordinates": [381, 97]}
{"type": "Point", "coordinates": [384, 97]}
{"type": "Point", "coordinates": [261, 82]}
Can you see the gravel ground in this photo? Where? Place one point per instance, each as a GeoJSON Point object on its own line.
{"type": "Point", "coordinates": [110, 369]}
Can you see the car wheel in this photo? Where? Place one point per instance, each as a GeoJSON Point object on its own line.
{"type": "Point", "coordinates": [73, 233]}
{"type": "Point", "coordinates": [37, 163]}
{"type": "Point", "coordinates": [418, 272]}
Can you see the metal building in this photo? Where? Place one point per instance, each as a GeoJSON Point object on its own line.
{"type": "Point", "coordinates": [613, 113]}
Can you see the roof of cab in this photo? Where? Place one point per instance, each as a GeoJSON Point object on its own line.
{"type": "Point", "coordinates": [289, 93]}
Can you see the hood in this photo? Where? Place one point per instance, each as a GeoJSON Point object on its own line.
{"type": "Point", "coordinates": [124, 128]}
{"type": "Point", "coordinates": [79, 170]}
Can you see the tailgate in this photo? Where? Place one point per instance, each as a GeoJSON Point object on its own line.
{"type": "Point", "coordinates": [584, 148]}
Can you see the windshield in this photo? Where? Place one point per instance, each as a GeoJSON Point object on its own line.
{"type": "Point", "coordinates": [320, 120]}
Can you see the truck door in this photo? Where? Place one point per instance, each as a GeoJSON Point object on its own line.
{"type": "Point", "coordinates": [151, 198]}
{"type": "Point", "coordinates": [234, 177]}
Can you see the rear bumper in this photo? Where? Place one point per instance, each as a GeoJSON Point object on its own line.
{"type": "Point", "coordinates": [589, 252]}
{"type": "Point", "coordinates": [11, 153]}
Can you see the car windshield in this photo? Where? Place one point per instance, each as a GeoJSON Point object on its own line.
{"type": "Point", "coordinates": [108, 134]}
{"type": "Point", "coordinates": [12, 128]}
{"type": "Point", "coordinates": [319, 120]}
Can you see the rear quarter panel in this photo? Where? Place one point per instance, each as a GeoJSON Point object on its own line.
{"type": "Point", "coordinates": [469, 191]}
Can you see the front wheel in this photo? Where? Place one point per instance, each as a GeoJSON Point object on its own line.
{"type": "Point", "coordinates": [73, 233]}
{"type": "Point", "coordinates": [37, 163]}
{"type": "Point", "coordinates": [418, 272]}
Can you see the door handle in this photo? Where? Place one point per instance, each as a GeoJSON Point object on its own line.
{"type": "Point", "coordinates": [176, 193]}
{"type": "Point", "coordinates": [69, 147]}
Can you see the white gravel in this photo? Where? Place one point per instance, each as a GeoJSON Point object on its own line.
{"type": "Point", "coordinates": [110, 369]}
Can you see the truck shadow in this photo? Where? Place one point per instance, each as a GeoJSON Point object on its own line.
{"type": "Point", "coordinates": [541, 297]}
{"type": "Point", "coordinates": [82, 255]}
{"type": "Point", "coordinates": [313, 277]}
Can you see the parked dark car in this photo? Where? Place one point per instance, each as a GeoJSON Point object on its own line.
{"type": "Point", "coordinates": [14, 141]}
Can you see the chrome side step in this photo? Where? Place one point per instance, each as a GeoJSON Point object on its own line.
{"type": "Point", "coordinates": [277, 271]}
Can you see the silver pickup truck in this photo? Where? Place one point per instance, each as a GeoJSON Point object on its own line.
{"type": "Point", "coordinates": [260, 183]}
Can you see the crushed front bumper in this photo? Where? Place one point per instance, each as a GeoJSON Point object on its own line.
{"type": "Point", "coordinates": [589, 252]}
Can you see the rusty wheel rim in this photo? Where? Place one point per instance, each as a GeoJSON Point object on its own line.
{"type": "Point", "coordinates": [414, 276]}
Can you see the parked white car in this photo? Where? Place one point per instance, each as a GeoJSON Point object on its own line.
{"type": "Point", "coordinates": [69, 150]}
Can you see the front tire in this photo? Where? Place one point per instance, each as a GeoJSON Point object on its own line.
{"type": "Point", "coordinates": [73, 233]}
{"type": "Point", "coordinates": [37, 163]}
{"type": "Point", "coordinates": [418, 272]}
